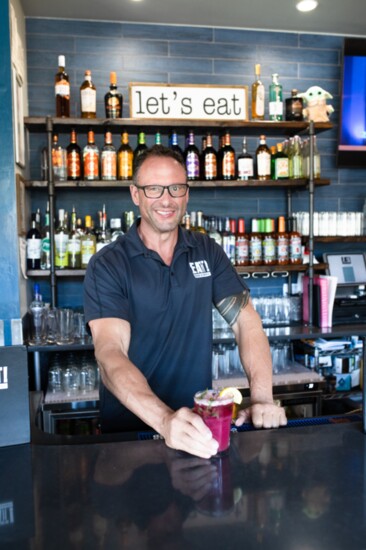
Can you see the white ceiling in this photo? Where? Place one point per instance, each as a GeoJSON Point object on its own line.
{"type": "Point", "coordinates": [343, 17]}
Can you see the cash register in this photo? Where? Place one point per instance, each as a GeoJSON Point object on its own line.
{"type": "Point", "coordinates": [350, 299]}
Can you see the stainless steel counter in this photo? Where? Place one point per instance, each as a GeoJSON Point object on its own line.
{"type": "Point", "coordinates": [293, 488]}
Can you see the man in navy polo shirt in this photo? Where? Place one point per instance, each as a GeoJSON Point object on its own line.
{"type": "Point", "coordinates": [148, 300]}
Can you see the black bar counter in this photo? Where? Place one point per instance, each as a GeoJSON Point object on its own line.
{"type": "Point", "coordinates": [296, 488]}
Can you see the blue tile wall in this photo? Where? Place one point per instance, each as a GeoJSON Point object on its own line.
{"type": "Point", "coordinates": [197, 55]}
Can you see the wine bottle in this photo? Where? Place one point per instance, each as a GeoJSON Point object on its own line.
{"type": "Point", "coordinates": [209, 160]}
{"type": "Point", "coordinates": [88, 243]}
{"type": "Point", "coordinates": [61, 240]}
{"type": "Point", "coordinates": [74, 244]}
{"type": "Point", "coordinates": [228, 159]}
{"type": "Point", "coordinates": [141, 146]}
{"type": "Point", "coordinates": [174, 143]}
{"type": "Point", "coordinates": [34, 244]}
{"type": "Point", "coordinates": [192, 159]}
{"type": "Point", "coordinates": [88, 97]}
{"type": "Point", "coordinates": [46, 241]}
{"type": "Point", "coordinates": [113, 100]}
{"type": "Point", "coordinates": [62, 89]}
{"type": "Point", "coordinates": [258, 95]}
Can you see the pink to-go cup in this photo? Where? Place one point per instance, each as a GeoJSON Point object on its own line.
{"type": "Point", "coordinates": [216, 411]}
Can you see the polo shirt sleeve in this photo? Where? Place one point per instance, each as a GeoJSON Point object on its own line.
{"type": "Point", "coordinates": [226, 281]}
{"type": "Point", "coordinates": [105, 290]}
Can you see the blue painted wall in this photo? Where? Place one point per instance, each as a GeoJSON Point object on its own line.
{"type": "Point", "coordinates": [159, 53]}
{"type": "Point", "coordinates": [9, 290]}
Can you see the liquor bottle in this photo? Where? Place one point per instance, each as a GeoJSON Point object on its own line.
{"type": "Point", "coordinates": [296, 159]}
{"type": "Point", "coordinates": [74, 244]}
{"type": "Point", "coordinates": [192, 158]}
{"type": "Point", "coordinates": [37, 309]}
{"type": "Point", "coordinates": [174, 143]}
{"type": "Point", "coordinates": [62, 89]}
{"type": "Point", "coordinates": [228, 240]}
{"type": "Point", "coordinates": [219, 156]}
{"type": "Point", "coordinates": [59, 160]}
{"type": "Point", "coordinates": [213, 231]}
{"type": "Point", "coordinates": [295, 251]}
{"type": "Point", "coordinates": [46, 241]}
{"type": "Point", "coordinates": [73, 152]}
{"type": "Point", "coordinates": [125, 159]}
{"type": "Point", "coordinates": [269, 243]}
{"type": "Point", "coordinates": [241, 244]}
{"type": "Point", "coordinates": [228, 163]}
{"type": "Point", "coordinates": [245, 163]}
{"type": "Point", "coordinates": [34, 244]}
{"type": "Point", "coordinates": [275, 99]}
{"type": "Point", "coordinates": [255, 244]}
{"type": "Point", "coordinates": [200, 224]}
{"type": "Point", "coordinates": [88, 97]}
{"type": "Point", "coordinates": [158, 138]}
{"type": "Point", "coordinates": [209, 160]}
{"type": "Point", "coordinates": [91, 159]}
{"type": "Point", "coordinates": [141, 146]}
{"type": "Point", "coordinates": [294, 107]}
{"type": "Point", "coordinates": [116, 228]}
{"type": "Point", "coordinates": [258, 95]}
{"type": "Point", "coordinates": [280, 164]}
{"type": "Point", "coordinates": [104, 237]}
{"type": "Point", "coordinates": [88, 243]}
{"type": "Point", "coordinates": [263, 157]}
{"type": "Point", "coordinates": [282, 244]}
{"type": "Point", "coordinates": [61, 240]}
{"type": "Point", "coordinates": [113, 100]}
{"type": "Point", "coordinates": [108, 159]}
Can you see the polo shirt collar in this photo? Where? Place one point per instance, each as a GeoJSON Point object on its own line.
{"type": "Point", "coordinates": [136, 246]}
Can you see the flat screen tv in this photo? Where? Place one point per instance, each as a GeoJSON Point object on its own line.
{"type": "Point", "coordinates": [352, 123]}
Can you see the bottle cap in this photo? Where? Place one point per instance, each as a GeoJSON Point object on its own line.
{"type": "Point", "coordinates": [257, 69]}
{"type": "Point", "coordinates": [241, 225]}
{"type": "Point", "coordinates": [113, 78]}
{"type": "Point", "coordinates": [61, 61]}
{"type": "Point", "coordinates": [87, 72]}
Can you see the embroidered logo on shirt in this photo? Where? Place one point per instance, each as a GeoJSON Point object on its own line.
{"type": "Point", "coordinates": [200, 269]}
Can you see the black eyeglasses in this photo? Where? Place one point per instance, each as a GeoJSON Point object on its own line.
{"type": "Point", "coordinates": [156, 191]}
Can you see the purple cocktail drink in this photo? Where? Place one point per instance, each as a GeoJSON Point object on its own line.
{"type": "Point", "coordinates": [216, 411]}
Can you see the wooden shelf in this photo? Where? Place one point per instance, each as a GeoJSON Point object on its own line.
{"type": "Point", "coordinates": [201, 184]}
{"type": "Point", "coordinates": [271, 128]}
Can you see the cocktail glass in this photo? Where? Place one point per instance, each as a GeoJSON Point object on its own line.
{"type": "Point", "coordinates": [216, 411]}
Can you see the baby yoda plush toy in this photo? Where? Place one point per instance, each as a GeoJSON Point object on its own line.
{"type": "Point", "coordinates": [316, 108]}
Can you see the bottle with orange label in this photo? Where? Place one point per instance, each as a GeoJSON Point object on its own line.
{"type": "Point", "coordinates": [91, 159]}
{"type": "Point", "coordinates": [73, 151]}
{"type": "Point", "coordinates": [59, 160]}
{"type": "Point", "coordinates": [108, 159]}
{"type": "Point", "coordinates": [209, 160]}
{"type": "Point", "coordinates": [125, 159]}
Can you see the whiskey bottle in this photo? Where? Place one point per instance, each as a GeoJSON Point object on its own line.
{"type": "Point", "coordinates": [125, 159]}
{"type": "Point", "coordinates": [62, 89]}
{"type": "Point", "coordinates": [108, 159]}
{"type": "Point", "coordinates": [209, 160]}
{"type": "Point", "coordinates": [88, 97]}
{"type": "Point", "coordinates": [228, 163]}
{"type": "Point", "coordinates": [59, 160]}
{"type": "Point", "coordinates": [294, 107]}
{"type": "Point", "coordinates": [73, 152]}
{"type": "Point", "coordinates": [113, 100]}
{"type": "Point", "coordinates": [258, 95]}
{"type": "Point", "coordinates": [245, 163]}
{"type": "Point", "coordinates": [263, 157]}
{"type": "Point", "coordinates": [275, 99]}
{"type": "Point", "coordinates": [91, 159]}
{"type": "Point", "coordinates": [34, 244]}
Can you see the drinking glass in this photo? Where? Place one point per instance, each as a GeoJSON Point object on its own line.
{"type": "Point", "coordinates": [65, 326]}
{"type": "Point", "coordinates": [216, 412]}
